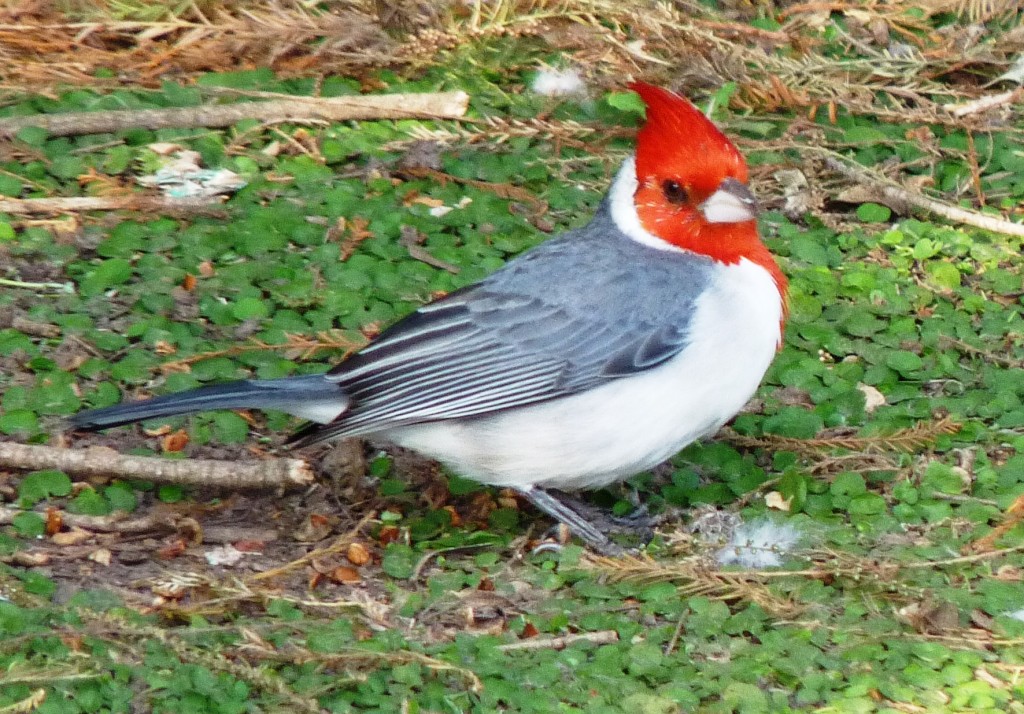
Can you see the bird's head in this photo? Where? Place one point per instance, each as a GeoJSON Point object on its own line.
{"type": "Point", "coordinates": [690, 187]}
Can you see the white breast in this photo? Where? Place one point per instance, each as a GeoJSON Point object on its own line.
{"type": "Point", "coordinates": [614, 431]}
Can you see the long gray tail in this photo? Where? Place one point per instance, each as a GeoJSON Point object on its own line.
{"type": "Point", "coordinates": [312, 397]}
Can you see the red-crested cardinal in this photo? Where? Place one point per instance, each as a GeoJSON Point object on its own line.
{"type": "Point", "coordinates": [594, 356]}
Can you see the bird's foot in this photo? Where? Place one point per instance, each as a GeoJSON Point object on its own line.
{"type": "Point", "coordinates": [588, 523]}
{"type": "Point", "coordinates": [640, 523]}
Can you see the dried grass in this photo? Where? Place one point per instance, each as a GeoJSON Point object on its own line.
{"type": "Point", "coordinates": [905, 70]}
{"type": "Point", "coordinates": [879, 577]}
{"type": "Point", "coordinates": [911, 439]}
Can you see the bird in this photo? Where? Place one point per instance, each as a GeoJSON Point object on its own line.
{"type": "Point", "coordinates": [594, 356]}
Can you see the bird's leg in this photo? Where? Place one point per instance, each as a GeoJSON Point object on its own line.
{"type": "Point", "coordinates": [586, 531]}
{"type": "Point", "coordinates": [639, 523]}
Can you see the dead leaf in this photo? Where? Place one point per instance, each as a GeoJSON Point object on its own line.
{"type": "Point", "coordinates": [71, 537]}
{"type": "Point", "coordinates": [101, 556]}
{"type": "Point", "coordinates": [174, 442]}
{"type": "Point", "coordinates": [315, 528]}
{"type": "Point", "coordinates": [774, 499]}
{"type": "Point", "coordinates": [357, 554]}
{"type": "Point", "coordinates": [172, 549]}
{"type": "Point", "coordinates": [423, 200]}
{"type": "Point", "coordinates": [54, 521]}
{"type": "Point", "coordinates": [456, 518]}
{"type": "Point", "coordinates": [345, 575]}
{"type": "Point", "coordinates": [388, 534]}
{"type": "Point", "coordinates": [250, 546]}
{"type": "Point", "coordinates": [872, 397]}
{"type": "Point", "coordinates": [30, 558]}
{"type": "Point", "coordinates": [191, 530]}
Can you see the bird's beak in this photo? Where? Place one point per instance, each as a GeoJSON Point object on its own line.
{"type": "Point", "coordinates": [733, 202]}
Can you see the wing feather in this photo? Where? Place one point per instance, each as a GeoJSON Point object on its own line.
{"type": "Point", "coordinates": [519, 337]}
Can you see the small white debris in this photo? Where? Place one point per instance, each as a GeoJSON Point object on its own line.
{"type": "Point", "coordinates": [872, 397]}
{"type": "Point", "coordinates": [797, 191]}
{"type": "Point", "coordinates": [102, 556]}
{"type": "Point", "coordinates": [902, 51]}
{"type": "Point", "coordinates": [182, 177]}
{"type": "Point", "coordinates": [1015, 73]}
{"type": "Point", "coordinates": [1017, 614]}
{"type": "Point", "coordinates": [636, 48]}
{"type": "Point", "coordinates": [551, 82]}
{"type": "Point", "coordinates": [759, 544]}
{"type": "Point", "coordinates": [164, 148]}
{"type": "Point", "coordinates": [774, 499]}
{"type": "Point", "coordinates": [438, 211]}
{"type": "Point", "coordinates": [225, 555]}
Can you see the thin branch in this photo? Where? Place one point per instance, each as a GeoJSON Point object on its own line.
{"type": "Point", "coordinates": [117, 522]}
{"type": "Point", "coordinates": [441, 105]}
{"type": "Point", "coordinates": [1013, 516]}
{"type": "Point", "coordinates": [29, 704]}
{"type": "Point", "coordinates": [984, 103]}
{"type": "Point", "coordinates": [105, 462]}
{"type": "Point", "coordinates": [988, 356]}
{"type": "Point", "coordinates": [340, 543]}
{"type": "Point", "coordinates": [59, 287]}
{"type": "Point", "coordinates": [501, 190]}
{"type": "Point", "coordinates": [602, 637]}
{"type": "Point", "coordinates": [891, 191]}
{"type": "Point", "coordinates": [129, 202]}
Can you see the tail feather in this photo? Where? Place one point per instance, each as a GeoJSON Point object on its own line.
{"type": "Point", "coordinates": [311, 397]}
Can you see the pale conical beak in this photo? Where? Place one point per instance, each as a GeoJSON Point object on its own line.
{"type": "Point", "coordinates": [733, 202]}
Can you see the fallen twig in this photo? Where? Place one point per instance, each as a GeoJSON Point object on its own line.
{"type": "Point", "coordinates": [891, 191]}
{"type": "Point", "coordinates": [501, 190]}
{"type": "Point", "coordinates": [987, 355]}
{"type": "Point", "coordinates": [35, 329]}
{"type": "Point", "coordinates": [59, 287]}
{"type": "Point", "coordinates": [1013, 516]}
{"type": "Point", "coordinates": [601, 637]}
{"type": "Point", "coordinates": [440, 105]}
{"type": "Point", "coordinates": [984, 103]}
{"type": "Point", "coordinates": [234, 534]}
{"type": "Point", "coordinates": [104, 461]}
{"type": "Point", "coordinates": [118, 522]}
{"type": "Point", "coordinates": [29, 704]}
{"type": "Point", "coordinates": [412, 239]}
{"type": "Point", "coordinates": [340, 543]}
{"type": "Point", "coordinates": [129, 202]}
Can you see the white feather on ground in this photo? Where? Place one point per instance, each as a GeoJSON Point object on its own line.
{"type": "Point", "coordinates": [759, 544]}
{"type": "Point", "coordinates": [1017, 614]}
{"type": "Point", "coordinates": [551, 82]}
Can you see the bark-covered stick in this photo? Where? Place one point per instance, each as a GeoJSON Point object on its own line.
{"type": "Point", "coordinates": [439, 105]}
{"type": "Point", "coordinates": [104, 461]}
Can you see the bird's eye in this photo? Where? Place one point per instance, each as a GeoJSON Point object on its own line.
{"type": "Point", "coordinates": [674, 192]}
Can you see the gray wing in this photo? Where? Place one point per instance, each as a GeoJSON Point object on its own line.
{"type": "Point", "coordinates": [523, 335]}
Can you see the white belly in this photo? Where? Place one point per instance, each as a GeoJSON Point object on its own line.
{"type": "Point", "coordinates": [609, 433]}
